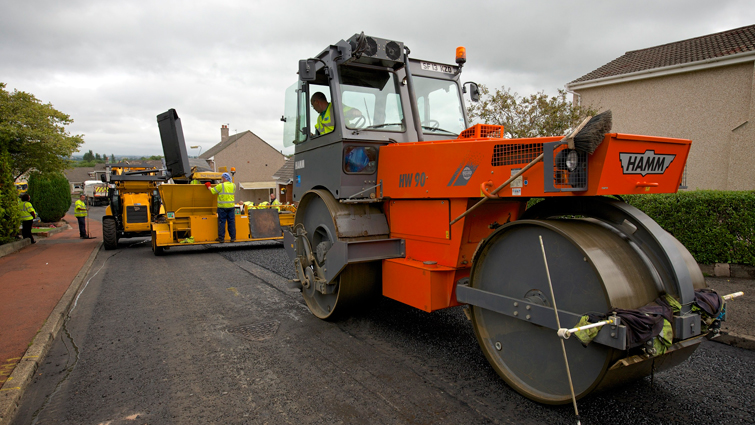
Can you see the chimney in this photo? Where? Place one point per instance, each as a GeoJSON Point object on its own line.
{"type": "Point", "coordinates": [223, 133]}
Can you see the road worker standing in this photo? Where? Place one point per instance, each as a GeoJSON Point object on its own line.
{"type": "Point", "coordinates": [226, 207]}
{"type": "Point", "coordinates": [274, 202]}
{"type": "Point", "coordinates": [28, 214]}
{"type": "Point", "coordinates": [80, 212]}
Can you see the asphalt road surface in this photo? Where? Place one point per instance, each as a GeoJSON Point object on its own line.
{"type": "Point", "coordinates": [213, 335]}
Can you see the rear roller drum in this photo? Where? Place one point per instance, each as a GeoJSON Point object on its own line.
{"type": "Point", "coordinates": [356, 284]}
{"type": "Point", "coordinates": [593, 270]}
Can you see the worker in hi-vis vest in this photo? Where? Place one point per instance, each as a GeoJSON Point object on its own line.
{"type": "Point", "coordinates": [28, 214]}
{"type": "Point", "coordinates": [226, 207]}
{"type": "Point", "coordinates": [274, 202]}
{"type": "Point", "coordinates": [325, 122]}
{"type": "Point", "coordinates": [80, 212]}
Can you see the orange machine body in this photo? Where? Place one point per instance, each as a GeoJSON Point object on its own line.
{"type": "Point", "coordinates": [428, 184]}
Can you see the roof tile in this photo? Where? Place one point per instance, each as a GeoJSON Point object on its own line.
{"type": "Point", "coordinates": [711, 46]}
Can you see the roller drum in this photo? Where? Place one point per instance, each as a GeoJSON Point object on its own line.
{"type": "Point", "coordinates": [593, 268]}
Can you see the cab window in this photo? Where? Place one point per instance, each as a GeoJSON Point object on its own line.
{"type": "Point", "coordinates": [439, 104]}
{"type": "Point", "coordinates": [295, 115]}
{"type": "Point", "coordinates": [371, 100]}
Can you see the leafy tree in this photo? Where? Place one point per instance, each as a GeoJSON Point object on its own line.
{"type": "Point", "coordinates": [112, 158]}
{"type": "Point", "coordinates": [50, 194]}
{"type": "Point", "coordinates": [9, 214]}
{"type": "Point", "coordinates": [89, 156]}
{"type": "Point", "coordinates": [97, 157]}
{"type": "Point", "coordinates": [34, 133]}
{"type": "Point", "coordinates": [536, 115]}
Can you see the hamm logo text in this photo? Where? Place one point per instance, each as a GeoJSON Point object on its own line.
{"type": "Point", "coordinates": [645, 163]}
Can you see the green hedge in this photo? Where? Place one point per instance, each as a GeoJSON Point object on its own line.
{"type": "Point", "coordinates": [715, 226]}
{"type": "Point", "coordinates": [50, 195]}
{"type": "Point", "coordinates": [9, 214]}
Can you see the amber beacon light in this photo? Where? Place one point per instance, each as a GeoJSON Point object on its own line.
{"type": "Point", "coordinates": [461, 55]}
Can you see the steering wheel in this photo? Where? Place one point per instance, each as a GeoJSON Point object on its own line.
{"type": "Point", "coordinates": [357, 122]}
{"type": "Point", "coordinates": [431, 124]}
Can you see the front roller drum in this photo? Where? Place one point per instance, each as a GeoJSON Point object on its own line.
{"type": "Point", "coordinates": [593, 270]}
{"type": "Point", "coordinates": [355, 285]}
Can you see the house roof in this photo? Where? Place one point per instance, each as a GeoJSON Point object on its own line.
{"type": "Point", "coordinates": [201, 164]}
{"type": "Point", "coordinates": [229, 141]}
{"type": "Point", "coordinates": [285, 173]}
{"type": "Point", "coordinates": [705, 48]}
{"type": "Point", "coordinates": [78, 174]}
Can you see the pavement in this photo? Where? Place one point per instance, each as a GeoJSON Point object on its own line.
{"type": "Point", "coordinates": [40, 282]}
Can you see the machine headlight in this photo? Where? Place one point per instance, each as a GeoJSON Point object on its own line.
{"type": "Point", "coordinates": [572, 160]}
{"type": "Point", "coordinates": [567, 159]}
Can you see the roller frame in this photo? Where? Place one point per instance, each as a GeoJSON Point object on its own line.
{"type": "Point", "coordinates": [348, 247]}
{"type": "Point", "coordinates": [611, 335]}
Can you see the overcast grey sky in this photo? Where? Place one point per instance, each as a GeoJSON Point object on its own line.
{"type": "Point", "coordinates": [115, 65]}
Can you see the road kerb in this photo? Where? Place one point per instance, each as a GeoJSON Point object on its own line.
{"type": "Point", "coordinates": [23, 373]}
{"type": "Point", "coordinates": [10, 248]}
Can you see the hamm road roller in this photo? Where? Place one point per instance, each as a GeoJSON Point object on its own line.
{"type": "Point", "coordinates": [399, 195]}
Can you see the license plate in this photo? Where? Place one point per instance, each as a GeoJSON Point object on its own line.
{"type": "Point", "coordinates": [429, 66]}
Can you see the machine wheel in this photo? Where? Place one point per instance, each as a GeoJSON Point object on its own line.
{"type": "Point", "coordinates": [592, 268]}
{"type": "Point", "coordinates": [158, 250]}
{"type": "Point", "coordinates": [109, 233]}
{"type": "Point", "coordinates": [356, 284]}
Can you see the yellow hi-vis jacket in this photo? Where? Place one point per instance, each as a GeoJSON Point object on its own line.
{"type": "Point", "coordinates": [325, 121]}
{"type": "Point", "coordinates": [80, 209]}
{"type": "Point", "coordinates": [26, 209]}
{"type": "Point", "coordinates": [275, 203]}
{"type": "Point", "coordinates": [225, 192]}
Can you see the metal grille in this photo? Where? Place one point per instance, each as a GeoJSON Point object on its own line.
{"type": "Point", "coordinates": [566, 179]}
{"type": "Point", "coordinates": [137, 214]}
{"type": "Point", "coordinates": [256, 331]}
{"type": "Point", "coordinates": [683, 183]}
{"type": "Point", "coordinates": [512, 154]}
{"type": "Point", "coordinates": [479, 131]}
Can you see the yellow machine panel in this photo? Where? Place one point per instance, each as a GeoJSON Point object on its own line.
{"type": "Point", "coordinates": [137, 210]}
{"type": "Point", "coordinates": [191, 219]}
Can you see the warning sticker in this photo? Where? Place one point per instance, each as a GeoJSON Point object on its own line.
{"type": "Point", "coordinates": [519, 180]}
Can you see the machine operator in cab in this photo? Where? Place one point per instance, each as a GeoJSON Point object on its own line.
{"type": "Point", "coordinates": [325, 120]}
{"type": "Point", "coordinates": [226, 207]}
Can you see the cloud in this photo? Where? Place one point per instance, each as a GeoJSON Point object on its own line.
{"type": "Point", "coordinates": [115, 65]}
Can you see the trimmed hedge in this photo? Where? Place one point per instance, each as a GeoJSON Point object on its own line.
{"type": "Point", "coordinates": [9, 214]}
{"type": "Point", "coordinates": [50, 195]}
{"type": "Point", "coordinates": [715, 226]}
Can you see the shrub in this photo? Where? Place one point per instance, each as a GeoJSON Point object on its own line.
{"type": "Point", "coordinates": [9, 214]}
{"type": "Point", "coordinates": [715, 226]}
{"type": "Point", "coordinates": [50, 195]}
